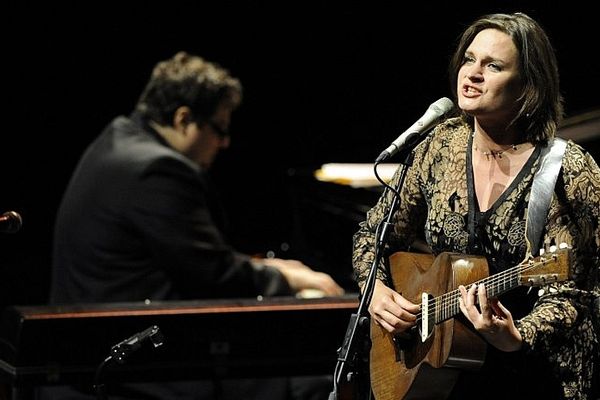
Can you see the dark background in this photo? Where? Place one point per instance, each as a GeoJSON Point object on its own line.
{"type": "Point", "coordinates": [324, 82]}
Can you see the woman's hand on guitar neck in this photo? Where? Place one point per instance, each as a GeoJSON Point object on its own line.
{"type": "Point", "coordinates": [491, 318]}
{"type": "Point", "coordinates": [390, 310]}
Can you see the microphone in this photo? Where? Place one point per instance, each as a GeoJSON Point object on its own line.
{"type": "Point", "coordinates": [434, 115]}
{"type": "Point", "coordinates": [10, 222]}
{"type": "Point", "coordinates": [120, 351]}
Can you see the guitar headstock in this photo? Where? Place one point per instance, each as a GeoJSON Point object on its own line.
{"type": "Point", "coordinates": [550, 266]}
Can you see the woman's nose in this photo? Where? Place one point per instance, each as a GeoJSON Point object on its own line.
{"type": "Point", "coordinates": [474, 73]}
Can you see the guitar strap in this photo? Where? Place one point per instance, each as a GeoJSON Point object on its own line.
{"type": "Point", "coordinates": [541, 193]}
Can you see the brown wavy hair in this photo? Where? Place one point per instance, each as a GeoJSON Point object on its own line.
{"type": "Point", "coordinates": [541, 102]}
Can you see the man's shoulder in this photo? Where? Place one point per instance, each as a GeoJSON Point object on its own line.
{"type": "Point", "coordinates": [133, 144]}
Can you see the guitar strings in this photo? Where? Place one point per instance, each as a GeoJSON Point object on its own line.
{"type": "Point", "coordinates": [449, 301]}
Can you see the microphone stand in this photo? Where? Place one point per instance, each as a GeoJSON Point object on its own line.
{"type": "Point", "coordinates": [353, 356]}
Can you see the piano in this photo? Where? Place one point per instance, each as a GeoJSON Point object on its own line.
{"type": "Point", "coordinates": [279, 336]}
{"type": "Point", "coordinates": [325, 217]}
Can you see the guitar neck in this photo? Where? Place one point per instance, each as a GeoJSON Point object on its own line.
{"type": "Point", "coordinates": [447, 306]}
{"type": "Point", "coordinates": [533, 272]}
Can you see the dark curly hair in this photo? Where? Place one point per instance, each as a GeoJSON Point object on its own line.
{"type": "Point", "coordinates": [187, 80]}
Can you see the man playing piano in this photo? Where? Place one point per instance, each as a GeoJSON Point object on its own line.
{"type": "Point", "coordinates": [140, 220]}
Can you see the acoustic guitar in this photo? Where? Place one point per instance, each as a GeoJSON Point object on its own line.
{"type": "Point", "coordinates": [425, 362]}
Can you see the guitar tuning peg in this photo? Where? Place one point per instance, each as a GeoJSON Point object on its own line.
{"type": "Point", "coordinates": [563, 245]}
{"type": "Point", "coordinates": [542, 251]}
{"type": "Point", "coordinates": [552, 249]}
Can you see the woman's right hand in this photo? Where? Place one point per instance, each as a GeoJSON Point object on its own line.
{"type": "Point", "coordinates": [390, 310]}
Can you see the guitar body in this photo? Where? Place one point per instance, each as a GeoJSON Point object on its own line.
{"type": "Point", "coordinates": [406, 367]}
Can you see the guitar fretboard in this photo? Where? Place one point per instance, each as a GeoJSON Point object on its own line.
{"type": "Point", "coordinates": [446, 306]}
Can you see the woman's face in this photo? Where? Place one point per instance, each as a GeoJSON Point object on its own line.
{"type": "Point", "coordinates": [489, 83]}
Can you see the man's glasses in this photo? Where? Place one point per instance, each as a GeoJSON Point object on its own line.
{"type": "Point", "coordinates": [220, 131]}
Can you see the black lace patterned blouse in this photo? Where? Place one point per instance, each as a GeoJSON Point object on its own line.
{"type": "Point", "coordinates": [438, 204]}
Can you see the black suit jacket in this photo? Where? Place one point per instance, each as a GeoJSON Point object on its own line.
{"type": "Point", "coordinates": [139, 221]}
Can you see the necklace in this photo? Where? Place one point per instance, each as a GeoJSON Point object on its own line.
{"type": "Point", "coordinates": [493, 153]}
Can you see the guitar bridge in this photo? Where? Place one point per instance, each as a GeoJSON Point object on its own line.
{"type": "Point", "coordinates": [426, 326]}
